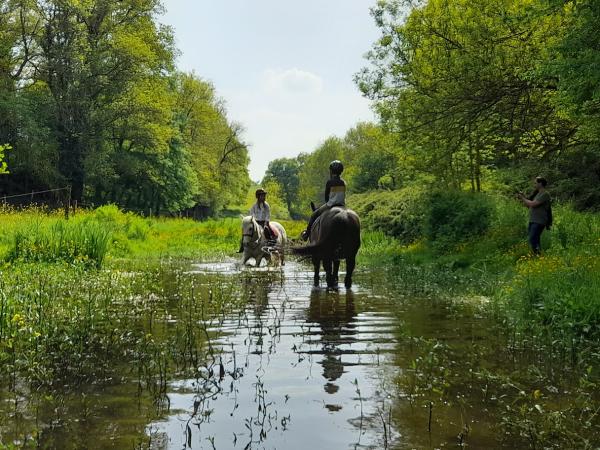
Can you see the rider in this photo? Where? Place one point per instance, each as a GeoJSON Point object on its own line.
{"type": "Point", "coordinates": [335, 194]}
{"type": "Point", "coordinates": [261, 211]}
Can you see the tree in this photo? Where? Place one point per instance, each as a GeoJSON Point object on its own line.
{"type": "Point", "coordinates": [285, 172]}
{"type": "Point", "coordinates": [90, 54]}
{"type": "Point", "coordinates": [89, 97]}
{"type": "Point", "coordinates": [369, 155]}
{"type": "Point", "coordinates": [460, 82]}
{"type": "Point", "coordinates": [219, 157]}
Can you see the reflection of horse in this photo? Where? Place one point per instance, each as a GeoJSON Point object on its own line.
{"type": "Point", "coordinates": [335, 235]}
{"type": "Point", "coordinates": [256, 244]}
{"type": "Point", "coordinates": [335, 317]}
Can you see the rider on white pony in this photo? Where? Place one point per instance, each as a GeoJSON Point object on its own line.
{"type": "Point", "coordinates": [261, 211]}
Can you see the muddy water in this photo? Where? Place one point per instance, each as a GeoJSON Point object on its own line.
{"type": "Point", "coordinates": [299, 368]}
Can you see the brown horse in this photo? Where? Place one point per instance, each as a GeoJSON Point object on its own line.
{"type": "Point", "coordinates": [334, 236]}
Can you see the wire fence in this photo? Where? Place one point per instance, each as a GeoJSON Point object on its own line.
{"type": "Point", "coordinates": [58, 198]}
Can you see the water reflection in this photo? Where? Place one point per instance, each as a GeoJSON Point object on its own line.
{"type": "Point", "coordinates": [335, 314]}
{"type": "Point", "coordinates": [271, 396]}
{"type": "Point", "coordinates": [288, 367]}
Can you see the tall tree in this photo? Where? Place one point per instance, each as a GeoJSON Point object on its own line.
{"type": "Point", "coordinates": [93, 51]}
{"type": "Point", "coordinates": [285, 172]}
{"type": "Point", "coordinates": [460, 82]}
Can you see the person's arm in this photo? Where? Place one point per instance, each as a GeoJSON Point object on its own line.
{"type": "Point", "coordinates": [267, 212]}
{"type": "Point", "coordinates": [252, 211]}
{"type": "Point", "coordinates": [531, 203]}
{"type": "Point", "coordinates": [327, 191]}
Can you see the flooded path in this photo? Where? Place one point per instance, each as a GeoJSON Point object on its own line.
{"type": "Point", "coordinates": [298, 364]}
{"type": "Point", "coordinates": [293, 368]}
{"type": "Point", "coordinates": [307, 368]}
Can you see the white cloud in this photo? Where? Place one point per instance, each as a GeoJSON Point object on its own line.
{"type": "Point", "coordinates": [291, 81]}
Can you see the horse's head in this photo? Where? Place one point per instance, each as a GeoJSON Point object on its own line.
{"type": "Point", "coordinates": [249, 229]}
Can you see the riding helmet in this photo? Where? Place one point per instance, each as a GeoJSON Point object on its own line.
{"type": "Point", "coordinates": [336, 167]}
{"type": "Point", "coordinates": [260, 191]}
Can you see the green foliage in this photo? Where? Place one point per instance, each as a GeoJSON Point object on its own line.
{"type": "Point", "coordinates": [371, 155]}
{"type": "Point", "coordinates": [399, 213]}
{"type": "Point", "coordinates": [3, 165]}
{"type": "Point", "coordinates": [576, 58]}
{"type": "Point", "coordinates": [286, 173]}
{"type": "Point", "coordinates": [469, 86]}
{"type": "Point", "coordinates": [454, 217]}
{"type": "Point", "coordinates": [94, 101]}
{"type": "Point", "coordinates": [62, 241]}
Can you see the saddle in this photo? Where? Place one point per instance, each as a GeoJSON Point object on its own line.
{"type": "Point", "coordinates": [274, 232]}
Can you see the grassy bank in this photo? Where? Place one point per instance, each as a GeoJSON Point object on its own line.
{"type": "Point", "coordinates": [106, 235]}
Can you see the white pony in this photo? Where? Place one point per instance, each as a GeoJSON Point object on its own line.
{"type": "Point", "coordinates": [256, 244]}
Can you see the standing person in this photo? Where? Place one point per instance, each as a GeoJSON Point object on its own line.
{"type": "Point", "coordinates": [261, 211]}
{"type": "Point", "coordinates": [335, 194]}
{"type": "Point", "coordinates": [540, 213]}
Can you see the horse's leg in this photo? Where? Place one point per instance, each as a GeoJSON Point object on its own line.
{"type": "Point", "coordinates": [280, 246]}
{"type": "Point", "coordinates": [328, 265]}
{"type": "Point", "coordinates": [317, 267]}
{"type": "Point", "coordinates": [336, 269]}
{"type": "Point", "coordinates": [350, 265]}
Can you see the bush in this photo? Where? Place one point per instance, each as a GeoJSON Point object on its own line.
{"type": "Point", "coordinates": [397, 213]}
{"type": "Point", "coordinates": [454, 217]}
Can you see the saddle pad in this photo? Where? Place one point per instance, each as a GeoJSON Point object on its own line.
{"type": "Point", "coordinates": [274, 230]}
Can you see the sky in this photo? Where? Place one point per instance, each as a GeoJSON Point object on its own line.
{"type": "Point", "coordinates": [284, 68]}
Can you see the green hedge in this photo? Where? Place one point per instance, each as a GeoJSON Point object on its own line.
{"type": "Point", "coordinates": [443, 218]}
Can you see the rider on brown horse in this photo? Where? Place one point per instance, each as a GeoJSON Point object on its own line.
{"type": "Point", "coordinates": [335, 194]}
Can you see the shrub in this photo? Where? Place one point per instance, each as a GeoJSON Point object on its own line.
{"type": "Point", "coordinates": [397, 213]}
{"type": "Point", "coordinates": [453, 217]}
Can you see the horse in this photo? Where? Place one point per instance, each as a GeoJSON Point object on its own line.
{"type": "Point", "coordinates": [256, 244]}
{"type": "Point", "coordinates": [334, 236]}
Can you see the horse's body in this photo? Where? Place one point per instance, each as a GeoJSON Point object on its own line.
{"type": "Point", "coordinates": [334, 236]}
{"type": "Point", "coordinates": [256, 244]}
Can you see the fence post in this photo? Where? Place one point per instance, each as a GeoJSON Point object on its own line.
{"type": "Point", "coordinates": [68, 203]}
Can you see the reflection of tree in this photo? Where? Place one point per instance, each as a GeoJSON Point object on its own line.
{"type": "Point", "coordinates": [335, 315]}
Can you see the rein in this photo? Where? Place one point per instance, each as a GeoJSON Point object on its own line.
{"type": "Point", "coordinates": [256, 242]}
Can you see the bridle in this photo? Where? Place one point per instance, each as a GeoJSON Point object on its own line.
{"type": "Point", "coordinates": [255, 228]}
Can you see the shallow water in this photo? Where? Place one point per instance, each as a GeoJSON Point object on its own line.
{"type": "Point", "coordinates": [297, 368]}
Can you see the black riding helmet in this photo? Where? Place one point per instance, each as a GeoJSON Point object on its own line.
{"type": "Point", "coordinates": [260, 191]}
{"type": "Point", "coordinates": [336, 167]}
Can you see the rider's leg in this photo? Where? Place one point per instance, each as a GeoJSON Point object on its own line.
{"type": "Point", "coordinates": [315, 215]}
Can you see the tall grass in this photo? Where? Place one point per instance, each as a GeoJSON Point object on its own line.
{"type": "Point", "coordinates": [60, 241]}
